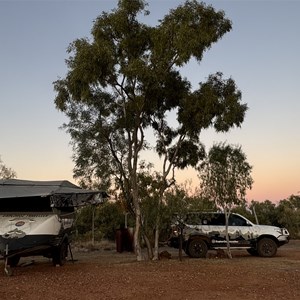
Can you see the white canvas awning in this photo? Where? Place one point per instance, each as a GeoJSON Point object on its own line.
{"type": "Point", "coordinates": [62, 193]}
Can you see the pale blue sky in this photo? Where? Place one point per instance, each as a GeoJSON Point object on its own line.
{"type": "Point", "coordinates": [261, 53]}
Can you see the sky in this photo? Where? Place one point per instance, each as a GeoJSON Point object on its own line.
{"type": "Point", "coordinates": [261, 53]}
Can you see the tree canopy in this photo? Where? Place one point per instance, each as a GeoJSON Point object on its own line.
{"type": "Point", "coordinates": [225, 177]}
{"type": "Point", "coordinates": [123, 83]}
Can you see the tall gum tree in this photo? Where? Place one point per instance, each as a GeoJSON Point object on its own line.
{"type": "Point", "coordinates": [126, 79]}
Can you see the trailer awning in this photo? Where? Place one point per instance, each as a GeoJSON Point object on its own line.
{"type": "Point", "coordinates": [62, 193]}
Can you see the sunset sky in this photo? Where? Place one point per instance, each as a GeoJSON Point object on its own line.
{"type": "Point", "coordinates": [261, 54]}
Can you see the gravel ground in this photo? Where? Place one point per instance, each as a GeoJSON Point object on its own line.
{"type": "Point", "coordinates": [107, 274]}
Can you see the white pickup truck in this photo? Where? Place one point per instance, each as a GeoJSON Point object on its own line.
{"type": "Point", "coordinates": [203, 231]}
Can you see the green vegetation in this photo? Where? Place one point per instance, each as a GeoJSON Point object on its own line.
{"type": "Point", "coordinates": [111, 216]}
{"type": "Point", "coordinates": [107, 219]}
{"type": "Point", "coordinates": [121, 87]}
{"type": "Point", "coordinates": [284, 214]}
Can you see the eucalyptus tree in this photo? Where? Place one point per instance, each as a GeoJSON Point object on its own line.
{"type": "Point", "coordinates": [225, 177]}
{"type": "Point", "coordinates": [6, 172]}
{"type": "Point", "coordinates": [266, 212]}
{"type": "Point", "coordinates": [123, 82]}
{"type": "Point", "coordinates": [288, 215]}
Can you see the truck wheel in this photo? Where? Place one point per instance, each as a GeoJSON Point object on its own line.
{"type": "Point", "coordinates": [60, 254]}
{"type": "Point", "coordinates": [266, 247]}
{"type": "Point", "coordinates": [197, 248]}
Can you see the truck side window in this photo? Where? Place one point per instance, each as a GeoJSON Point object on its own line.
{"type": "Point", "coordinates": [218, 219]}
{"type": "Point", "coordinates": [235, 220]}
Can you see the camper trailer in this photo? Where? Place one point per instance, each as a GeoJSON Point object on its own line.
{"type": "Point", "coordinates": [37, 217]}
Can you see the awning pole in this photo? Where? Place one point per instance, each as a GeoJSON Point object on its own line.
{"type": "Point", "coordinates": [7, 268]}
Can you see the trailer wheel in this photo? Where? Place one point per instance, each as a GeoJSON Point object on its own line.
{"type": "Point", "coordinates": [60, 254]}
{"type": "Point", "coordinates": [13, 261]}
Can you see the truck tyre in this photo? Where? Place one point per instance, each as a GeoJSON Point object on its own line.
{"type": "Point", "coordinates": [197, 248]}
{"type": "Point", "coordinates": [266, 247]}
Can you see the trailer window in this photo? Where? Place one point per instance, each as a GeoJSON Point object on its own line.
{"type": "Point", "coordinates": [26, 204]}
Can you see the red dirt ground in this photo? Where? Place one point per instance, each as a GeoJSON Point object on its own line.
{"type": "Point", "coordinates": [107, 274]}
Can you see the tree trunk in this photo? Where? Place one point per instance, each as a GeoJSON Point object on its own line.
{"type": "Point", "coordinates": [180, 243]}
{"type": "Point", "coordinates": [158, 219]}
{"type": "Point", "coordinates": [156, 241]}
{"type": "Point", "coordinates": [256, 219]}
{"type": "Point", "coordinates": [93, 225]}
{"type": "Point", "coordinates": [137, 233]}
{"type": "Point", "coordinates": [227, 235]}
{"type": "Point", "coordinates": [149, 247]}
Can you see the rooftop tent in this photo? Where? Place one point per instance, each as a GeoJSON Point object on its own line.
{"type": "Point", "coordinates": [60, 193]}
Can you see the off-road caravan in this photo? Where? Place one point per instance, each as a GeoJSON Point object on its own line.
{"type": "Point", "coordinates": [36, 218]}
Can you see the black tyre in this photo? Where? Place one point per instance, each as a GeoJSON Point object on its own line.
{"type": "Point", "coordinates": [266, 247]}
{"type": "Point", "coordinates": [60, 254]}
{"type": "Point", "coordinates": [197, 248]}
{"type": "Point", "coordinates": [252, 251]}
{"type": "Point", "coordinates": [13, 261]}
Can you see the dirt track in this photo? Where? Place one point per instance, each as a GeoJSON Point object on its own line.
{"type": "Point", "coordinates": [107, 274]}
